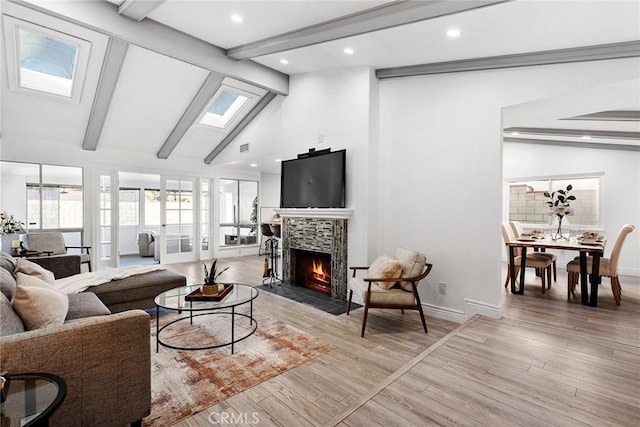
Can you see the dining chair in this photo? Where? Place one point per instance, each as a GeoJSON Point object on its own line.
{"type": "Point", "coordinates": [608, 266]}
{"type": "Point", "coordinates": [533, 260]}
{"type": "Point", "coordinates": [518, 230]}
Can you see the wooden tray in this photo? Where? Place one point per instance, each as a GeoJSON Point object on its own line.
{"type": "Point", "coordinates": [197, 295]}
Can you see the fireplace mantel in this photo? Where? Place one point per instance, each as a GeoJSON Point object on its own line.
{"type": "Point", "coordinates": [329, 213]}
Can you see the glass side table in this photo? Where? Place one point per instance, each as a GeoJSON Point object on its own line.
{"type": "Point", "coordinates": [30, 399]}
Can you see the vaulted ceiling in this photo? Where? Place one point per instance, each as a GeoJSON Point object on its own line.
{"type": "Point", "coordinates": [155, 65]}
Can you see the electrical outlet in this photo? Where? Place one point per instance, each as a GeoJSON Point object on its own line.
{"type": "Point", "coordinates": [443, 288]}
{"type": "Point", "coordinates": [320, 138]}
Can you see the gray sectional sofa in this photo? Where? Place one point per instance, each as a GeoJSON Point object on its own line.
{"type": "Point", "coordinates": [118, 295]}
{"type": "Point", "coordinates": [102, 349]}
{"type": "Point", "coordinates": [104, 358]}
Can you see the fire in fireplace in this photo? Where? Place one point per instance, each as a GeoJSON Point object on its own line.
{"type": "Point", "coordinates": [313, 271]}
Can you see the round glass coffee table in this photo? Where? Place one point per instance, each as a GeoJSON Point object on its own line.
{"type": "Point", "coordinates": [176, 300]}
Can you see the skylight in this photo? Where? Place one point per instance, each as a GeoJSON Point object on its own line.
{"type": "Point", "coordinates": [46, 64]}
{"type": "Point", "coordinates": [225, 105]}
{"type": "Point", "coordinates": [44, 60]}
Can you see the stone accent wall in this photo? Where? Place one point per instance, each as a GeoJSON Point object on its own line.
{"type": "Point", "coordinates": [328, 236]}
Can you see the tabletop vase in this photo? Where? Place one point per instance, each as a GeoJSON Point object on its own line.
{"type": "Point", "coordinates": [558, 234]}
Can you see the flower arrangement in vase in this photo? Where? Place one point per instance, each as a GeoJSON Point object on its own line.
{"type": "Point", "coordinates": [210, 286]}
{"type": "Point", "coordinates": [560, 206]}
{"type": "Point", "coordinates": [10, 225]}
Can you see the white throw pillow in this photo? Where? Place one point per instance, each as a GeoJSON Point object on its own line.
{"type": "Point", "coordinates": [35, 270]}
{"type": "Point", "coordinates": [39, 304]}
{"type": "Point", "coordinates": [384, 267]}
{"type": "Point", "coordinates": [412, 265]}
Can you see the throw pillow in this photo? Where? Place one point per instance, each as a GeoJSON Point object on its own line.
{"type": "Point", "coordinates": [412, 265]}
{"type": "Point", "coordinates": [35, 270]}
{"type": "Point", "coordinates": [7, 262]}
{"type": "Point", "coordinates": [39, 304]}
{"type": "Point", "coordinates": [384, 267]}
{"type": "Point", "coordinates": [85, 304]}
{"type": "Point", "coordinates": [7, 284]}
{"type": "Point", "coordinates": [10, 322]}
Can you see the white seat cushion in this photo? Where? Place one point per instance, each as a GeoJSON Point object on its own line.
{"type": "Point", "coordinates": [380, 295]}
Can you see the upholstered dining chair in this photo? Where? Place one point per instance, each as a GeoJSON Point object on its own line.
{"type": "Point", "coordinates": [534, 260]}
{"type": "Point", "coordinates": [518, 230]}
{"type": "Point", "coordinates": [52, 243]}
{"type": "Point", "coordinates": [608, 266]}
{"type": "Point", "coordinates": [391, 283]}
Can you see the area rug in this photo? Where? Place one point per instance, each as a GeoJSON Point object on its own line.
{"type": "Point", "coordinates": [186, 382]}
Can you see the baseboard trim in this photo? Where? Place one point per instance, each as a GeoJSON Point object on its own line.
{"type": "Point", "coordinates": [634, 272]}
{"type": "Point", "coordinates": [445, 313]}
{"type": "Point", "coordinates": [484, 309]}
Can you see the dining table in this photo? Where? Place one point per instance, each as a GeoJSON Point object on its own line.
{"type": "Point", "coordinates": [542, 243]}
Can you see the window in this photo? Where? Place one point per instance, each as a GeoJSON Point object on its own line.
{"type": "Point", "coordinates": [44, 60]}
{"type": "Point", "coordinates": [60, 206]}
{"type": "Point", "coordinates": [151, 207]}
{"type": "Point", "coordinates": [55, 198]}
{"type": "Point", "coordinates": [44, 197]}
{"type": "Point", "coordinates": [224, 106]}
{"type": "Point", "coordinates": [204, 214]}
{"type": "Point", "coordinates": [129, 206]}
{"type": "Point", "coordinates": [528, 204]}
{"type": "Point", "coordinates": [179, 216]}
{"type": "Point", "coordinates": [238, 208]}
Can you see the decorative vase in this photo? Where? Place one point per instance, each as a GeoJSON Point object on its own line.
{"type": "Point", "coordinates": [558, 234]}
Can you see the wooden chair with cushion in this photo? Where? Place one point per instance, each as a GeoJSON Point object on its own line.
{"type": "Point", "coordinates": [52, 243]}
{"type": "Point", "coordinates": [518, 230]}
{"type": "Point", "coordinates": [391, 283]}
{"type": "Point", "coordinates": [534, 260]}
{"type": "Point", "coordinates": [608, 266]}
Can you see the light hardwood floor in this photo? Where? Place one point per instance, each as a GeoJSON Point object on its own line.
{"type": "Point", "coordinates": [546, 362]}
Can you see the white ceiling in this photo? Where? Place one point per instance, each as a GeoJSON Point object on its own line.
{"type": "Point", "coordinates": [156, 87]}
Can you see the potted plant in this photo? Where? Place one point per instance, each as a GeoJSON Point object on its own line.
{"type": "Point", "coordinates": [211, 286]}
{"type": "Point", "coordinates": [560, 206]}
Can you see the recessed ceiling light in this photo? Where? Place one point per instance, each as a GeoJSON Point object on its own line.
{"type": "Point", "coordinates": [253, 165]}
{"type": "Point", "coordinates": [284, 61]}
{"type": "Point", "coordinates": [586, 137]}
{"type": "Point", "coordinates": [453, 32]}
{"type": "Point", "coordinates": [515, 133]}
{"type": "Point", "coordinates": [348, 51]}
{"type": "Point", "coordinates": [236, 18]}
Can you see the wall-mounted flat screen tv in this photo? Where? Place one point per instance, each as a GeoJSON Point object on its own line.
{"type": "Point", "coordinates": [314, 180]}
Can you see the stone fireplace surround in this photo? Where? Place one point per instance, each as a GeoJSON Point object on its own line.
{"type": "Point", "coordinates": [317, 230]}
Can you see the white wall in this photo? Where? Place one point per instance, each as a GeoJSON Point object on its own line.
{"type": "Point", "coordinates": [338, 105]}
{"type": "Point", "coordinates": [441, 150]}
{"type": "Point", "coordinates": [269, 190]}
